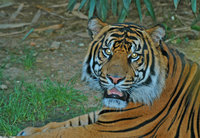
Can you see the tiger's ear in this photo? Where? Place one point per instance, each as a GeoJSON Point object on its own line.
{"type": "Point", "coordinates": [157, 33]}
{"type": "Point", "coordinates": [94, 26]}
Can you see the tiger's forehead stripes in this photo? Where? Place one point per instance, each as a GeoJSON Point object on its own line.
{"type": "Point", "coordinates": [127, 37]}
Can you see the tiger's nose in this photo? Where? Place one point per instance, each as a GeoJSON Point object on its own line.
{"type": "Point", "coordinates": [115, 79]}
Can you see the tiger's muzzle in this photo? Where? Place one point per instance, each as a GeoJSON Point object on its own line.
{"type": "Point", "coordinates": [113, 96]}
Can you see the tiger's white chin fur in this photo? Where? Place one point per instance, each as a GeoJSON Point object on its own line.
{"type": "Point", "coordinates": [114, 103]}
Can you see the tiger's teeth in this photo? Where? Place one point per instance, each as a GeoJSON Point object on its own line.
{"type": "Point", "coordinates": [114, 91]}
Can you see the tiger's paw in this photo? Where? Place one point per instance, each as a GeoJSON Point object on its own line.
{"type": "Point", "coordinates": [28, 131]}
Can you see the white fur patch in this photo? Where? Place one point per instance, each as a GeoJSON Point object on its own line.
{"type": "Point", "coordinates": [148, 93]}
{"type": "Point", "coordinates": [114, 103]}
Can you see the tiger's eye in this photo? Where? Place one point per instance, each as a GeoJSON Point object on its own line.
{"type": "Point", "coordinates": [134, 55]}
{"type": "Point", "coordinates": [108, 51]}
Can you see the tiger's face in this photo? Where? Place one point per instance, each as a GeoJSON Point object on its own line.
{"type": "Point", "coordinates": [123, 62]}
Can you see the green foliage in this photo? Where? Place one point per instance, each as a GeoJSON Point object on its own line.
{"type": "Point", "coordinates": [138, 5]}
{"type": "Point", "coordinates": [194, 25]}
{"type": "Point", "coordinates": [29, 58]}
{"type": "Point", "coordinates": [71, 4]}
{"type": "Point", "coordinates": [193, 4]}
{"type": "Point", "coordinates": [116, 7]}
{"type": "Point", "coordinates": [30, 103]}
{"type": "Point", "coordinates": [119, 8]}
{"type": "Point", "coordinates": [1, 72]}
{"type": "Point", "coordinates": [176, 3]}
{"type": "Point", "coordinates": [150, 9]}
{"type": "Point", "coordinates": [92, 7]}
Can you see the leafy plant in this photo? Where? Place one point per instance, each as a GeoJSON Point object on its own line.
{"type": "Point", "coordinates": [118, 8]}
{"type": "Point", "coordinates": [2, 67]}
{"type": "Point", "coordinates": [194, 25]}
{"type": "Point", "coordinates": [193, 4]}
{"type": "Point", "coordinates": [29, 58]}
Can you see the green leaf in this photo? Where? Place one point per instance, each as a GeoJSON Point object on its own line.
{"type": "Point", "coordinates": [196, 20]}
{"type": "Point", "coordinates": [98, 8]}
{"type": "Point", "coordinates": [176, 3]}
{"type": "Point", "coordinates": [114, 7]}
{"type": "Point", "coordinates": [71, 5]}
{"type": "Point", "coordinates": [194, 5]}
{"type": "Point", "coordinates": [150, 8]}
{"type": "Point", "coordinates": [122, 15]}
{"type": "Point", "coordinates": [103, 9]}
{"type": "Point", "coordinates": [120, 7]}
{"type": "Point", "coordinates": [126, 4]}
{"type": "Point", "coordinates": [82, 4]}
{"type": "Point", "coordinates": [195, 27]}
{"type": "Point", "coordinates": [91, 9]}
{"type": "Point", "coordinates": [138, 5]}
{"type": "Point", "coordinates": [87, 6]}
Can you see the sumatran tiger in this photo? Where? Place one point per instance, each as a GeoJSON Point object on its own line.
{"type": "Point", "coordinates": [149, 89]}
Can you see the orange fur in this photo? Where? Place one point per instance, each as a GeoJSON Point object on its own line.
{"type": "Point", "coordinates": [176, 113]}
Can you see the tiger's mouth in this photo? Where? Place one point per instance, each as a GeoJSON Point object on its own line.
{"type": "Point", "coordinates": [115, 98]}
{"type": "Point", "coordinates": [115, 93]}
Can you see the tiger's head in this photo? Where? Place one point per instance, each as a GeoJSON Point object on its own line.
{"type": "Point", "coordinates": [124, 61]}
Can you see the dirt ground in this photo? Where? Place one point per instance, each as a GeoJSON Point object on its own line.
{"type": "Point", "coordinates": [60, 49]}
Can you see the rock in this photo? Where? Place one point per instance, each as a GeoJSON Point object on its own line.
{"type": "Point", "coordinates": [81, 44]}
{"type": "Point", "coordinates": [3, 87]}
{"type": "Point", "coordinates": [55, 45]}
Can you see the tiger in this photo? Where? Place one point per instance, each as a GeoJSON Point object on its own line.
{"type": "Point", "coordinates": [149, 89]}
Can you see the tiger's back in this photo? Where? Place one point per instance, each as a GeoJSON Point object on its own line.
{"type": "Point", "coordinates": [175, 114]}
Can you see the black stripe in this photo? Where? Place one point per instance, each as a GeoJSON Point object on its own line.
{"type": "Point", "coordinates": [145, 45]}
{"type": "Point", "coordinates": [114, 121]}
{"type": "Point", "coordinates": [139, 46]}
{"type": "Point", "coordinates": [94, 116]}
{"type": "Point", "coordinates": [90, 55]}
{"type": "Point", "coordinates": [164, 53]}
{"type": "Point", "coordinates": [192, 126]}
{"type": "Point", "coordinates": [152, 71]}
{"type": "Point", "coordinates": [182, 58]}
{"type": "Point", "coordinates": [79, 121]}
{"type": "Point", "coordinates": [139, 33]}
{"type": "Point", "coordinates": [88, 70]}
{"type": "Point", "coordinates": [174, 118]}
{"type": "Point", "coordinates": [183, 66]}
{"type": "Point", "coordinates": [148, 81]}
{"type": "Point", "coordinates": [173, 53]}
{"type": "Point", "coordinates": [181, 120]}
{"type": "Point", "coordinates": [155, 128]}
{"type": "Point", "coordinates": [132, 37]}
{"type": "Point", "coordinates": [192, 86]}
{"type": "Point", "coordinates": [143, 123]}
{"type": "Point", "coordinates": [157, 115]}
{"type": "Point", "coordinates": [89, 119]}
{"type": "Point", "coordinates": [164, 118]}
{"type": "Point", "coordinates": [117, 35]}
{"type": "Point", "coordinates": [178, 94]}
{"type": "Point", "coordinates": [178, 130]}
{"type": "Point", "coordinates": [106, 42]}
{"type": "Point", "coordinates": [70, 123]}
{"type": "Point", "coordinates": [142, 61]}
{"type": "Point", "coordinates": [121, 110]}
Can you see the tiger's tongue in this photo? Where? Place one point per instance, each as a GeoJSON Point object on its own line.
{"type": "Point", "coordinates": [115, 91]}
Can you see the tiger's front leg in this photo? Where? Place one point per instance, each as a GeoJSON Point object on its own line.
{"type": "Point", "coordinates": [77, 121]}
